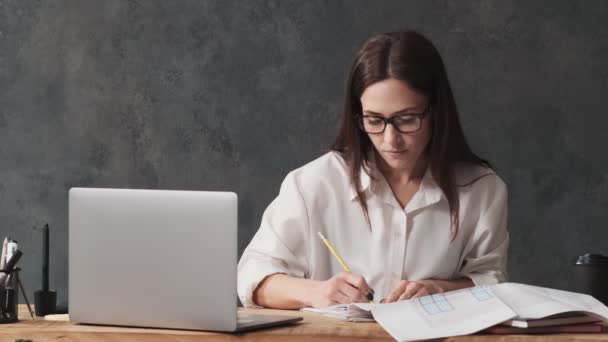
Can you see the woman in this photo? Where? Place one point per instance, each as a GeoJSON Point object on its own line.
{"type": "Point", "coordinates": [401, 196]}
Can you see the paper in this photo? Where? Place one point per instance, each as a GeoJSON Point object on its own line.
{"type": "Point", "coordinates": [466, 311]}
{"type": "Point", "coordinates": [460, 312]}
{"type": "Point", "coordinates": [533, 302]}
{"type": "Point", "coordinates": [358, 312]}
{"type": "Point", "coordinates": [470, 310]}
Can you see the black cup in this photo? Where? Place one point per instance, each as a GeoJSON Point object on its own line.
{"type": "Point", "coordinates": [591, 276]}
{"type": "Point", "coordinates": [45, 302]}
{"type": "Point", "coordinates": [8, 298]}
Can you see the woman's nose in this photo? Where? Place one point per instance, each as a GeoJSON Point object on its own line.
{"type": "Point", "coordinates": [391, 135]}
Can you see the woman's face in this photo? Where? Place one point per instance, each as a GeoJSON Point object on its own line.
{"type": "Point", "coordinates": [388, 98]}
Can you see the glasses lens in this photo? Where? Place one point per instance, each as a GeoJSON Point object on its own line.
{"type": "Point", "coordinates": [407, 123]}
{"type": "Point", "coordinates": [373, 124]}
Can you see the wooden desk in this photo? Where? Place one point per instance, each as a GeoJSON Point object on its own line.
{"type": "Point", "coordinates": [314, 327]}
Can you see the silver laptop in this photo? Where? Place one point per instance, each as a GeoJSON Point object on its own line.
{"type": "Point", "coordinates": [156, 258]}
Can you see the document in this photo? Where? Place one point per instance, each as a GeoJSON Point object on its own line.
{"type": "Point", "coordinates": [453, 313]}
{"type": "Point", "coordinates": [467, 311]}
{"type": "Point", "coordinates": [534, 302]}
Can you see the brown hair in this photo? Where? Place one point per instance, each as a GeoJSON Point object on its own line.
{"type": "Point", "coordinates": [409, 57]}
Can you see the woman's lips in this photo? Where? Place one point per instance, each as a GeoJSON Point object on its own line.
{"type": "Point", "coordinates": [395, 153]}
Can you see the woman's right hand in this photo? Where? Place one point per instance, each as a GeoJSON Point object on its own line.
{"type": "Point", "coordinates": [343, 288]}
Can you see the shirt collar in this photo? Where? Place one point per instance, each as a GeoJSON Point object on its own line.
{"type": "Point", "coordinates": [428, 194]}
{"type": "Point", "coordinates": [374, 183]}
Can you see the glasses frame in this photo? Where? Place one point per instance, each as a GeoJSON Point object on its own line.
{"type": "Point", "coordinates": [390, 120]}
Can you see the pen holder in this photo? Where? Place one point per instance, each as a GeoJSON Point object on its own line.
{"type": "Point", "coordinates": [9, 292]}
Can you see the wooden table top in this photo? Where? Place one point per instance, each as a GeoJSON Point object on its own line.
{"type": "Point", "coordinates": [313, 327]}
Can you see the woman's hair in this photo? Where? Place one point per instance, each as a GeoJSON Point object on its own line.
{"type": "Point", "coordinates": [409, 57]}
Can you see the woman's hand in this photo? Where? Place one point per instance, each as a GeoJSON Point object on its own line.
{"type": "Point", "coordinates": [343, 288]}
{"type": "Point", "coordinates": [412, 289]}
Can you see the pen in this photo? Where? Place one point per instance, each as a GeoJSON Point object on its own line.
{"type": "Point", "coordinates": [10, 264]}
{"type": "Point", "coordinates": [45, 258]}
{"type": "Point", "coordinates": [12, 247]}
{"type": "Point", "coordinates": [333, 251]}
{"type": "Point", "coordinates": [4, 251]}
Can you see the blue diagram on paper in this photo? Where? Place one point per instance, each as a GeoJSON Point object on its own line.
{"type": "Point", "coordinates": [438, 303]}
{"type": "Point", "coordinates": [435, 304]}
{"type": "Point", "coordinates": [481, 293]}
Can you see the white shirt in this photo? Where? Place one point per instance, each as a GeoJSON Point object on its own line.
{"type": "Point", "coordinates": [412, 243]}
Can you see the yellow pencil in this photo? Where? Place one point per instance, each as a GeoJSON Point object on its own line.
{"type": "Point", "coordinates": [333, 251]}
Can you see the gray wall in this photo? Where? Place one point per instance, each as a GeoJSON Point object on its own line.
{"type": "Point", "coordinates": [227, 95]}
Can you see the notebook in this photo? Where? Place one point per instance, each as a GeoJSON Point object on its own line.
{"type": "Point", "coordinates": [558, 329]}
{"type": "Point", "coordinates": [559, 319]}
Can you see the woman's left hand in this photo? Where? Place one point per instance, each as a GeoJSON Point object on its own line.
{"type": "Point", "coordinates": [412, 289]}
{"type": "Point", "coordinates": [406, 289]}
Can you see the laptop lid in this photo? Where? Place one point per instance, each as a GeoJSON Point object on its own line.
{"type": "Point", "coordinates": [153, 258]}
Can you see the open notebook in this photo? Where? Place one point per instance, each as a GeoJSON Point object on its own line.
{"type": "Point", "coordinates": [470, 310]}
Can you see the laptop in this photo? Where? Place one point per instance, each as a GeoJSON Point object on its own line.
{"type": "Point", "coordinates": [156, 258]}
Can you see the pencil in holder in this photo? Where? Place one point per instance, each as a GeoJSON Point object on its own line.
{"type": "Point", "coordinates": [9, 294]}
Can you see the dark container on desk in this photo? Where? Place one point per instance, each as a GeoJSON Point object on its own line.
{"type": "Point", "coordinates": [9, 297]}
{"type": "Point", "coordinates": [591, 276]}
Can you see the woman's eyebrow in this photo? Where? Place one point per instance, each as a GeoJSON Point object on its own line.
{"type": "Point", "coordinates": [402, 111]}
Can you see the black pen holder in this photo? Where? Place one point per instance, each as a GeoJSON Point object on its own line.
{"type": "Point", "coordinates": [9, 294]}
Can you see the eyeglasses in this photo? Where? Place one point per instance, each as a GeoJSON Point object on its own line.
{"type": "Point", "coordinates": [404, 123]}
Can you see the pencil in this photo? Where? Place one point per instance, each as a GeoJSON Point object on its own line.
{"type": "Point", "coordinates": [333, 251]}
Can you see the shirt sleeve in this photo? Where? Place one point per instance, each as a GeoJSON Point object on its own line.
{"type": "Point", "coordinates": [280, 244]}
{"type": "Point", "coordinates": [485, 254]}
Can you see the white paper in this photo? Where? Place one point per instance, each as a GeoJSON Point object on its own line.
{"type": "Point", "coordinates": [358, 312]}
{"type": "Point", "coordinates": [478, 308]}
{"type": "Point", "coordinates": [452, 313]}
{"type": "Point", "coordinates": [533, 302]}
{"type": "Point", "coordinates": [466, 311]}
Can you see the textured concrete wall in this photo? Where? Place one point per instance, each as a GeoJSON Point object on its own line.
{"type": "Point", "coordinates": [227, 95]}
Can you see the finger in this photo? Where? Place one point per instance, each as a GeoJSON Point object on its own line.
{"type": "Point", "coordinates": [358, 282]}
{"type": "Point", "coordinates": [395, 293]}
{"type": "Point", "coordinates": [432, 286]}
{"type": "Point", "coordinates": [410, 290]}
{"type": "Point", "coordinates": [333, 293]}
{"type": "Point", "coordinates": [352, 292]}
{"type": "Point", "coordinates": [437, 289]}
{"type": "Point", "coordinates": [421, 293]}
{"type": "Point", "coordinates": [340, 297]}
